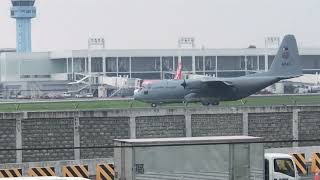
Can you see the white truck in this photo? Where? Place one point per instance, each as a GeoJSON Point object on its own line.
{"type": "Point", "coordinates": [201, 158]}
{"type": "Point", "coordinates": [280, 166]}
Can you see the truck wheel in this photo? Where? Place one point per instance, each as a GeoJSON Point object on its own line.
{"type": "Point", "coordinates": [153, 105]}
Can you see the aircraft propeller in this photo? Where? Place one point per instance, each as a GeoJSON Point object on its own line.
{"type": "Point", "coordinates": [184, 84]}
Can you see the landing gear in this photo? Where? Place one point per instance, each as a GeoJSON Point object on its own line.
{"type": "Point", "coordinates": [207, 103]}
{"type": "Point", "coordinates": [215, 103]}
{"type": "Point", "coordinates": [153, 105]}
{"type": "Point", "coordinates": [185, 103]}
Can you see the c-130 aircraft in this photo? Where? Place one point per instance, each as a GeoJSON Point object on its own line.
{"type": "Point", "coordinates": [285, 65]}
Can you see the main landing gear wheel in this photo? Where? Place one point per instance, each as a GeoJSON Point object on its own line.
{"type": "Point", "coordinates": [205, 103]}
{"type": "Point", "coordinates": [215, 103]}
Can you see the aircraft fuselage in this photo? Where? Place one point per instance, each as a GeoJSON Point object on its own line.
{"type": "Point", "coordinates": [172, 91]}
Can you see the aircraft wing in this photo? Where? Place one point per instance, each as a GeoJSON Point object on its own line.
{"type": "Point", "coordinates": [203, 84]}
{"type": "Point", "coordinates": [217, 83]}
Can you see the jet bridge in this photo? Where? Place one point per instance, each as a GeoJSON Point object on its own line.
{"type": "Point", "coordinates": [104, 85]}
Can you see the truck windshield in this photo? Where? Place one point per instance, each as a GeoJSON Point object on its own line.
{"type": "Point", "coordinates": [284, 166]}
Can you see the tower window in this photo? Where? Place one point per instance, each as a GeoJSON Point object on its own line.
{"type": "Point", "coordinates": [23, 3]}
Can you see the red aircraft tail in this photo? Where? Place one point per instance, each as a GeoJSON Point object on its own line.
{"type": "Point", "coordinates": [179, 72]}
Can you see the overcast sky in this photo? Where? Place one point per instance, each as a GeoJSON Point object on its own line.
{"type": "Point", "coordinates": [136, 24]}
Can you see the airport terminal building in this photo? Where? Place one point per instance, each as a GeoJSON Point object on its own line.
{"type": "Point", "coordinates": [45, 70]}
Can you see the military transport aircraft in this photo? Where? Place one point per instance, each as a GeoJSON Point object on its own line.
{"type": "Point", "coordinates": [286, 64]}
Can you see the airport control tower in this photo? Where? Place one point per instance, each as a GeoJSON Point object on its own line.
{"type": "Point", "coordinates": [23, 11]}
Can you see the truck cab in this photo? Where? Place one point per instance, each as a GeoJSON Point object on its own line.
{"type": "Point", "coordinates": [280, 167]}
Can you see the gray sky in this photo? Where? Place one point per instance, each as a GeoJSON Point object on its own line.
{"type": "Point", "coordinates": [136, 24]}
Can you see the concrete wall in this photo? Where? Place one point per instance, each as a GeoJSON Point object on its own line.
{"type": "Point", "coordinates": [47, 133]}
{"type": "Point", "coordinates": [216, 124]}
{"type": "Point", "coordinates": [160, 126]}
{"type": "Point", "coordinates": [271, 126]}
{"type": "Point", "coordinates": [67, 129]}
{"type": "Point", "coordinates": [8, 140]}
{"type": "Point", "coordinates": [100, 131]}
{"type": "Point", "coordinates": [309, 126]}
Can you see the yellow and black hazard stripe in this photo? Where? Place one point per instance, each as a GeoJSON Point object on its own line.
{"type": "Point", "coordinates": [315, 164]}
{"type": "Point", "coordinates": [16, 172]}
{"type": "Point", "coordinates": [41, 171]}
{"type": "Point", "coordinates": [105, 172]}
{"type": "Point", "coordinates": [75, 171]}
{"type": "Point", "coordinates": [301, 163]}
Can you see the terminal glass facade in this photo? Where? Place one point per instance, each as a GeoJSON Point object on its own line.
{"type": "Point", "coordinates": [146, 64]}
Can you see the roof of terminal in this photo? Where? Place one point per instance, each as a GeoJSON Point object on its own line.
{"type": "Point", "coordinates": [174, 52]}
{"type": "Point", "coordinates": [7, 50]}
{"type": "Point", "coordinates": [163, 52]}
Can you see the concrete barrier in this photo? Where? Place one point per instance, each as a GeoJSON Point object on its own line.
{"type": "Point", "coordinates": [57, 165]}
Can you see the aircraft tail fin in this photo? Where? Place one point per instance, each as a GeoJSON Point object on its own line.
{"type": "Point", "coordinates": [179, 72]}
{"type": "Point", "coordinates": [286, 63]}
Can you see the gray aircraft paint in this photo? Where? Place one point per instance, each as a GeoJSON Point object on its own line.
{"type": "Point", "coordinates": [286, 65]}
